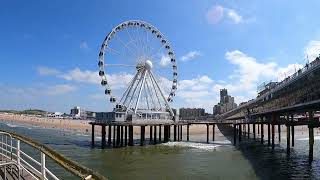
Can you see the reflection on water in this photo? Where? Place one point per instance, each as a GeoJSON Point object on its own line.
{"type": "Point", "coordinates": [182, 160]}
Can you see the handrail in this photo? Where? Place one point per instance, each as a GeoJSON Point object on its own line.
{"type": "Point", "coordinates": [69, 165]}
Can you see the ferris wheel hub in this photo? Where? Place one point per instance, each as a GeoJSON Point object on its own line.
{"type": "Point", "coordinates": [148, 64]}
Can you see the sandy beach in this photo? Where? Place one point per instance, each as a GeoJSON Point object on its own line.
{"type": "Point", "coordinates": [83, 126]}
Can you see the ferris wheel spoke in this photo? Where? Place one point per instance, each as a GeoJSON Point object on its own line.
{"type": "Point", "coordinates": [130, 50]}
{"type": "Point", "coordinates": [132, 40]}
{"type": "Point", "coordinates": [120, 65]}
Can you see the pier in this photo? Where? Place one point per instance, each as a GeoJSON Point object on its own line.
{"type": "Point", "coordinates": [158, 133]}
{"type": "Point", "coordinates": [295, 101]}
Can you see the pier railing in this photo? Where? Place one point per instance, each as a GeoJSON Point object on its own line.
{"type": "Point", "coordinates": [17, 163]}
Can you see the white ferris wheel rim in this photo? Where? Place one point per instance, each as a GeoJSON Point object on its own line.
{"type": "Point", "coordinates": [157, 35]}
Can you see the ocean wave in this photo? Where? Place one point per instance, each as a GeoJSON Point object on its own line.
{"type": "Point", "coordinates": [307, 138]}
{"type": "Point", "coordinates": [195, 145]}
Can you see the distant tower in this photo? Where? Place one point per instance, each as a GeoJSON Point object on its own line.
{"type": "Point", "coordinates": [223, 94]}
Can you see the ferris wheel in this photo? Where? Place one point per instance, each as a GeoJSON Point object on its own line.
{"type": "Point", "coordinates": [137, 56]}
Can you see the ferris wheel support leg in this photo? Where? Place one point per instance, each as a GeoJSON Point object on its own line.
{"type": "Point", "coordinates": [165, 100]}
{"type": "Point", "coordinates": [142, 85]}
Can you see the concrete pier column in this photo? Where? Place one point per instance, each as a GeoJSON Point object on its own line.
{"type": "Point", "coordinates": [272, 137]}
{"type": "Point", "coordinates": [240, 133]}
{"type": "Point", "coordinates": [279, 132]}
{"type": "Point", "coordinates": [292, 131]}
{"type": "Point", "coordinates": [262, 134]}
{"type": "Point", "coordinates": [311, 136]}
{"type": "Point", "coordinates": [178, 138]}
{"type": "Point", "coordinates": [188, 132]}
{"type": "Point", "coordinates": [130, 135]}
{"type": "Point", "coordinates": [142, 135]}
{"type": "Point", "coordinates": [160, 133]}
{"type": "Point", "coordinates": [125, 135]}
{"type": "Point", "coordinates": [92, 135]}
{"type": "Point", "coordinates": [109, 135]}
{"type": "Point", "coordinates": [165, 133]}
{"type": "Point", "coordinates": [175, 133]}
{"type": "Point", "coordinates": [207, 133]}
{"type": "Point", "coordinates": [268, 134]}
{"type": "Point", "coordinates": [121, 140]}
{"type": "Point", "coordinates": [234, 134]}
{"type": "Point", "coordinates": [288, 138]}
{"type": "Point", "coordinates": [155, 135]}
{"type": "Point", "coordinates": [254, 130]}
{"type": "Point", "coordinates": [118, 136]}
{"type": "Point", "coordinates": [213, 131]}
{"type": "Point", "coordinates": [169, 133]}
{"type": "Point", "coordinates": [114, 136]}
{"type": "Point", "coordinates": [181, 133]}
{"type": "Point", "coordinates": [103, 136]}
{"type": "Point", "coordinates": [150, 133]}
{"type": "Point", "coordinates": [311, 142]}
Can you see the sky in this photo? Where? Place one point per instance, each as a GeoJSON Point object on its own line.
{"type": "Point", "coordinates": [49, 49]}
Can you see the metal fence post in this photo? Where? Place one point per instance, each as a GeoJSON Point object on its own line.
{"type": "Point", "coordinates": [43, 166]}
{"type": "Point", "coordinates": [18, 158]}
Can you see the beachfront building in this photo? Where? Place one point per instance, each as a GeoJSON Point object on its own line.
{"type": "Point", "coordinates": [79, 113]}
{"type": "Point", "coordinates": [226, 103]}
{"type": "Point", "coordinates": [191, 113]}
{"type": "Point", "coordinates": [55, 115]}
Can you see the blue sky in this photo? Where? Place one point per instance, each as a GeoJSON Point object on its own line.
{"type": "Point", "coordinates": [49, 49]}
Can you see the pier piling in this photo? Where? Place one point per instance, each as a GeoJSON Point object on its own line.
{"type": "Point", "coordinates": [155, 135]}
{"type": "Point", "coordinates": [279, 132]}
{"type": "Point", "coordinates": [130, 135]}
{"type": "Point", "coordinates": [268, 134]}
{"type": "Point", "coordinates": [288, 138]}
{"type": "Point", "coordinates": [109, 135]}
{"type": "Point", "coordinates": [114, 136]}
{"type": "Point", "coordinates": [175, 133]}
{"type": "Point", "coordinates": [160, 133]}
{"type": "Point", "coordinates": [188, 132]}
{"type": "Point", "coordinates": [92, 135]}
{"type": "Point", "coordinates": [311, 143]}
{"type": "Point", "coordinates": [240, 133]}
{"type": "Point", "coordinates": [234, 134]}
{"type": "Point", "coordinates": [103, 136]}
{"type": "Point", "coordinates": [262, 133]}
{"type": "Point", "coordinates": [165, 133]}
{"type": "Point", "coordinates": [254, 130]}
{"type": "Point", "coordinates": [150, 135]}
{"type": "Point", "coordinates": [142, 135]}
{"type": "Point", "coordinates": [213, 131]}
{"type": "Point", "coordinates": [248, 130]}
{"type": "Point", "coordinates": [121, 140]}
{"type": "Point", "coordinates": [272, 140]}
{"type": "Point", "coordinates": [125, 135]}
{"type": "Point", "coordinates": [118, 136]}
{"type": "Point", "coordinates": [181, 133]}
{"type": "Point", "coordinates": [207, 133]}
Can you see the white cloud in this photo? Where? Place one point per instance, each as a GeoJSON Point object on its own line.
{"type": "Point", "coordinates": [234, 16]}
{"type": "Point", "coordinates": [47, 71]}
{"type": "Point", "coordinates": [84, 45]}
{"type": "Point", "coordinates": [218, 13]}
{"type": "Point", "coordinates": [116, 80]}
{"type": "Point", "coordinates": [85, 76]}
{"type": "Point", "coordinates": [312, 50]}
{"type": "Point", "coordinates": [190, 55]}
{"type": "Point", "coordinates": [60, 89]}
{"type": "Point", "coordinates": [165, 60]}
